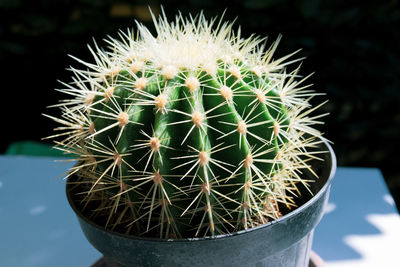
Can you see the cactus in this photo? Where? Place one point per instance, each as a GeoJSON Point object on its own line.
{"type": "Point", "coordinates": [194, 132]}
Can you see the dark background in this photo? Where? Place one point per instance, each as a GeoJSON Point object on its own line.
{"type": "Point", "coordinates": [353, 46]}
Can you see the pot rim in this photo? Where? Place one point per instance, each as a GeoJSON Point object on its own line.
{"type": "Point", "coordinates": [241, 232]}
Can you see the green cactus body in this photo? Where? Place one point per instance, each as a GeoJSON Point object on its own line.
{"type": "Point", "coordinates": [205, 139]}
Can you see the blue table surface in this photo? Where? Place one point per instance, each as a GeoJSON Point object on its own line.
{"type": "Point", "coordinates": [38, 228]}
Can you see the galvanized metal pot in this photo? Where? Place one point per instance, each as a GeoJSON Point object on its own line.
{"type": "Point", "coordinates": [283, 242]}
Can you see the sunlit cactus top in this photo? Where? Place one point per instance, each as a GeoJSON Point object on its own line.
{"type": "Point", "coordinates": [193, 131]}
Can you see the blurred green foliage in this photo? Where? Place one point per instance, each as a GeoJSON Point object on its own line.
{"type": "Point", "coordinates": [353, 46]}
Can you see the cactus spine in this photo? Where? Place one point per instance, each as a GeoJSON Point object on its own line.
{"type": "Point", "coordinates": [194, 132]}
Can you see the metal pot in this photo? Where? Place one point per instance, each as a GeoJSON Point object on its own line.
{"type": "Point", "coordinates": [283, 242]}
